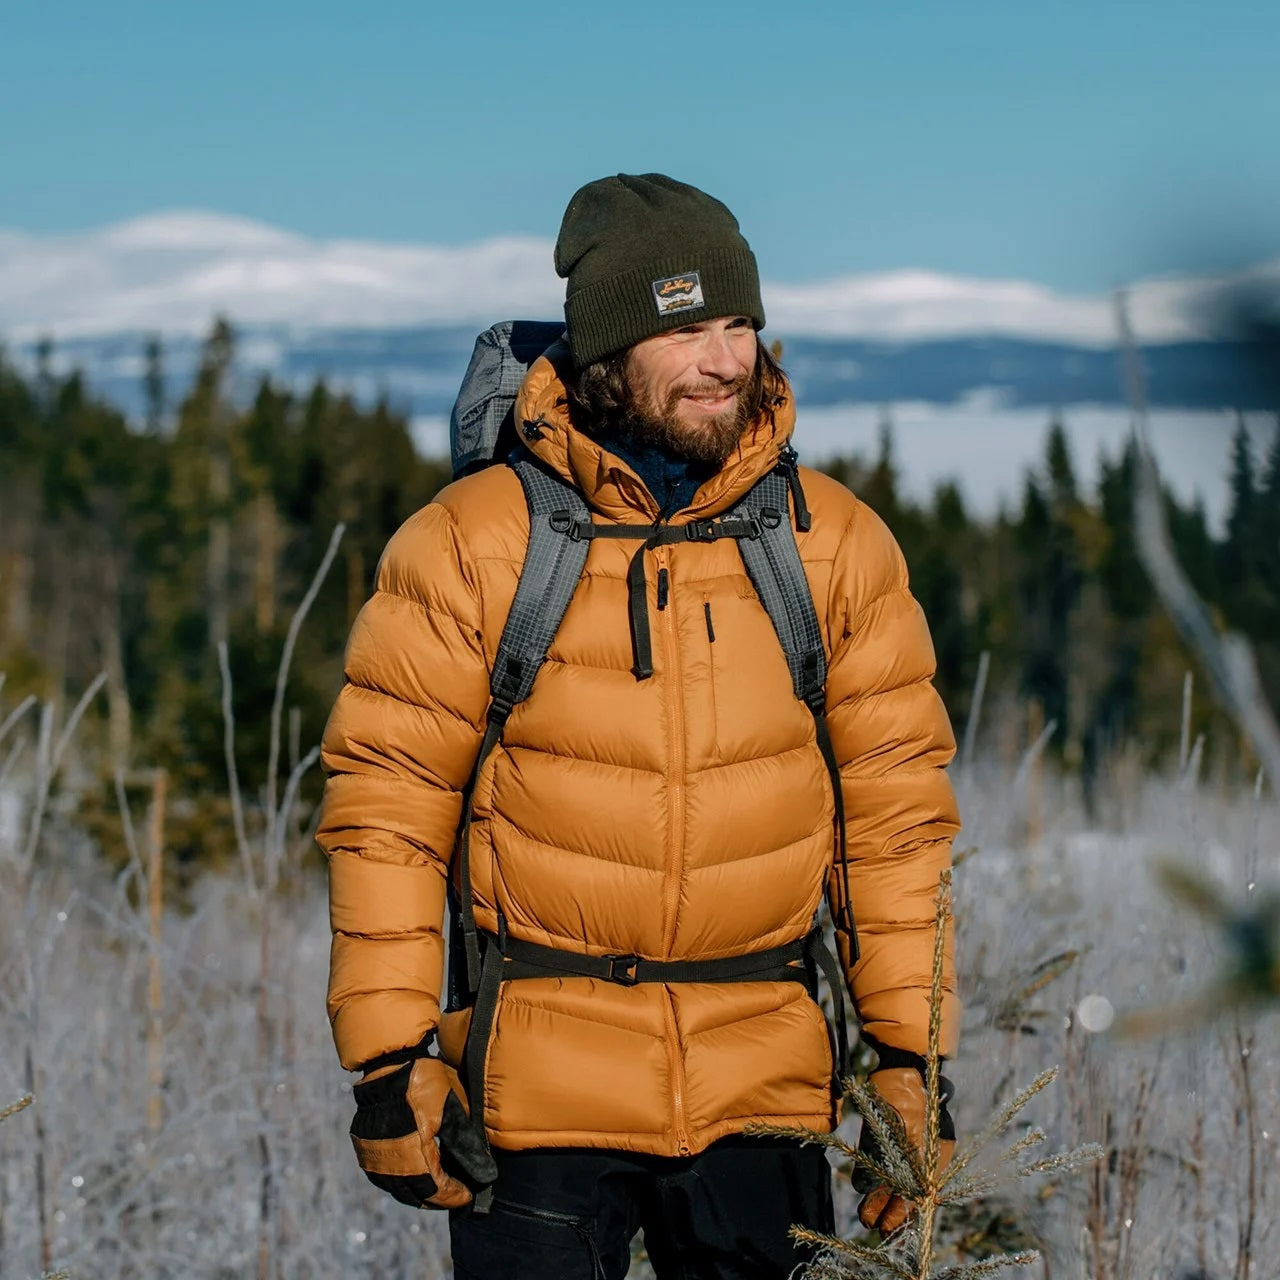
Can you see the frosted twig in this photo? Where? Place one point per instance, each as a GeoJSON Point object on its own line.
{"type": "Point", "coordinates": [233, 779]}
{"type": "Point", "coordinates": [288, 801]}
{"type": "Point", "coordinates": [1032, 754]}
{"type": "Point", "coordinates": [126, 819]}
{"type": "Point", "coordinates": [73, 720]}
{"type": "Point", "coordinates": [975, 710]}
{"type": "Point", "coordinates": [1064, 1161]}
{"type": "Point", "coordinates": [44, 780]}
{"type": "Point", "coordinates": [988, 1266]}
{"type": "Point", "coordinates": [16, 714]}
{"type": "Point", "coordinates": [1001, 1121]}
{"type": "Point", "coordinates": [9, 761]}
{"type": "Point", "coordinates": [286, 659]}
{"type": "Point", "coordinates": [877, 1256]}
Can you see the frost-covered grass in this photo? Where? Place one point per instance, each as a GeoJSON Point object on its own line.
{"type": "Point", "coordinates": [232, 1160]}
{"type": "Point", "coordinates": [1185, 1097]}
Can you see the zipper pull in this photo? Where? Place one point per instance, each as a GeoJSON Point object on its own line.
{"type": "Point", "coordinates": [711, 631]}
{"type": "Point", "coordinates": [663, 588]}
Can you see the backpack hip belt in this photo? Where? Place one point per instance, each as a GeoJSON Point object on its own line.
{"type": "Point", "coordinates": [508, 959]}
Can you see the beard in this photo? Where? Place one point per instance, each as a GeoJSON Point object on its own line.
{"type": "Point", "coordinates": [711, 440]}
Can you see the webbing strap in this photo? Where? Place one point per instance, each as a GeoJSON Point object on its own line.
{"type": "Point", "coordinates": [533, 960]}
{"type": "Point", "coordinates": [777, 572]}
{"type": "Point", "coordinates": [508, 959]}
{"type": "Point", "coordinates": [653, 535]}
{"type": "Point", "coordinates": [552, 568]}
{"type": "Point", "coordinates": [819, 959]}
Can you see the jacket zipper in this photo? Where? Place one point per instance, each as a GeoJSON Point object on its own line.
{"type": "Point", "coordinates": [578, 1225]}
{"type": "Point", "coordinates": [675, 855]}
{"type": "Point", "coordinates": [676, 763]}
{"type": "Point", "coordinates": [677, 1077]}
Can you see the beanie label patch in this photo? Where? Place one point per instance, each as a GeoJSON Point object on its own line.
{"type": "Point", "coordinates": [678, 293]}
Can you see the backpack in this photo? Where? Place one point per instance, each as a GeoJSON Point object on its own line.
{"type": "Point", "coordinates": [482, 432]}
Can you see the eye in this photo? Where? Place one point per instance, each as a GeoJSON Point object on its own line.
{"type": "Point", "coordinates": [741, 322]}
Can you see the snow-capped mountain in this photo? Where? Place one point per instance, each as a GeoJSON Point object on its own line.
{"type": "Point", "coordinates": [172, 272]}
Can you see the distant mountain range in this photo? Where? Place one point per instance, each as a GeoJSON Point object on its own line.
{"type": "Point", "coordinates": [399, 320]}
{"type": "Point", "coordinates": [418, 370]}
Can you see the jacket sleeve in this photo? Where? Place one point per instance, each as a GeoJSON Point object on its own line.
{"type": "Point", "coordinates": [399, 748]}
{"type": "Point", "coordinates": [892, 741]}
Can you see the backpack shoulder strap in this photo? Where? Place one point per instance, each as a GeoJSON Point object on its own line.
{"type": "Point", "coordinates": [777, 573]}
{"type": "Point", "coordinates": [553, 565]}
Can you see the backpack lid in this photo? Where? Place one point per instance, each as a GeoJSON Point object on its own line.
{"type": "Point", "coordinates": [482, 424]}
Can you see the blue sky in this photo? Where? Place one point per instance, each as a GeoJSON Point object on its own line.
{"type": "Point", "coordinates": [1077, 144]}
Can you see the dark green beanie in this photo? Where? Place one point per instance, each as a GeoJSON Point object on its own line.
{"type": "Point", "coordinates": [643, 254]}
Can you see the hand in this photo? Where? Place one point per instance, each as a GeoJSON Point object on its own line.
{"type": "Point", "coordinates": [903, 1089]}
{"type": "Point", "coordinates": [414, 1138]}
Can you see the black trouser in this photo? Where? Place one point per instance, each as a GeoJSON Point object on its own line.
{"type": "Point", "coordinates": [570, 1214]}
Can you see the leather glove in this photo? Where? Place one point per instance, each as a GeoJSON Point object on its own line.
{"type": "Point", "coordinates": [414, 1138]}
{"type": "Point", "coordinates": [903, 1089]}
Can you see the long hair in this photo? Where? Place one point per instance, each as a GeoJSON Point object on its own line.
{"type": "Point", "coordinates": [600, 397]}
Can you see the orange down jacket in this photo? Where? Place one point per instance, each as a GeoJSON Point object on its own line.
{"type": "Point", "coordinates": [685, 816]}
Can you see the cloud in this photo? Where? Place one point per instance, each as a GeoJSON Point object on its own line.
{"type": "Point", "coordinates": [174, 271]}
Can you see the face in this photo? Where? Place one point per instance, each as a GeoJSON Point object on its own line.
{"type": "Point", "coordinates": [689, 387]}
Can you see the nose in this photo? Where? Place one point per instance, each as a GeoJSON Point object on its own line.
{"type": "Point", "coordinates": [717, 356]}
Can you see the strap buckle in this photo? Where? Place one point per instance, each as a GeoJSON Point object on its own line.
{"type": "Point", "coordinates": [701, 531]}
{"type": "Point", "coordinates": [575, 530]}
{"type": "Point", "coordinates": [622, 970]}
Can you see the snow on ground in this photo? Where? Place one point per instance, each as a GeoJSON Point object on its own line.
{"type": "Point", "coordinates": [167, 1179]}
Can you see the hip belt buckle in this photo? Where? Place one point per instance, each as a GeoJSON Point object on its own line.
{"type": "Point", "coordinates": [622, 970]}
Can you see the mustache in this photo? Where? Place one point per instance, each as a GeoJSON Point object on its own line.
{"type": "Point", "coordinates": [712, 387]}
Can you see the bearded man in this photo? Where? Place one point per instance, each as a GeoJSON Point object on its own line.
{"type": "Point", "coordinates": [661, 813]}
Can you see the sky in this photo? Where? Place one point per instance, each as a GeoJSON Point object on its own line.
{"type": "Point", "coordinates": [1079, 145]}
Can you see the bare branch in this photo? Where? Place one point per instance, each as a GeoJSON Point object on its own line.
{"type": "Point", "coordinates": [233, 779]}
{"type": "Point", "coordinates": [282, 673]}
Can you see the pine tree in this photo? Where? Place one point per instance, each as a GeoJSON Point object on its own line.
{"type": "Point", "coordinates": [1240, 551]}
{"type": "Point", "coordinates": [880, 490]}
{"type": "Point", "coordinates": [153, 384]}
{"type": "Point", "coordinates": [1270, 503]}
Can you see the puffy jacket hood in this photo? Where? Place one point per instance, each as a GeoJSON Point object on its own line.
{"type": "Point", "coordinates": [609, 485]}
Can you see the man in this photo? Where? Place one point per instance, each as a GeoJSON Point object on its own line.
{"type": "Point", "coordinates": [670, 805]}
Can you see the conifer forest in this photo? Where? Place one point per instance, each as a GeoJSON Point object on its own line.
{"type": "Point", "coordinates": [175, 595]}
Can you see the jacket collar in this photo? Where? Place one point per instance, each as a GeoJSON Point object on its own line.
{"type": "Point", "coordinates": [609, 485]}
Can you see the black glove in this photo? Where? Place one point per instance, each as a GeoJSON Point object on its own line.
{"type": "Point", "coordinates": [900, 1081]}
{"type": "Point", "coordinates": [414, 1138]}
